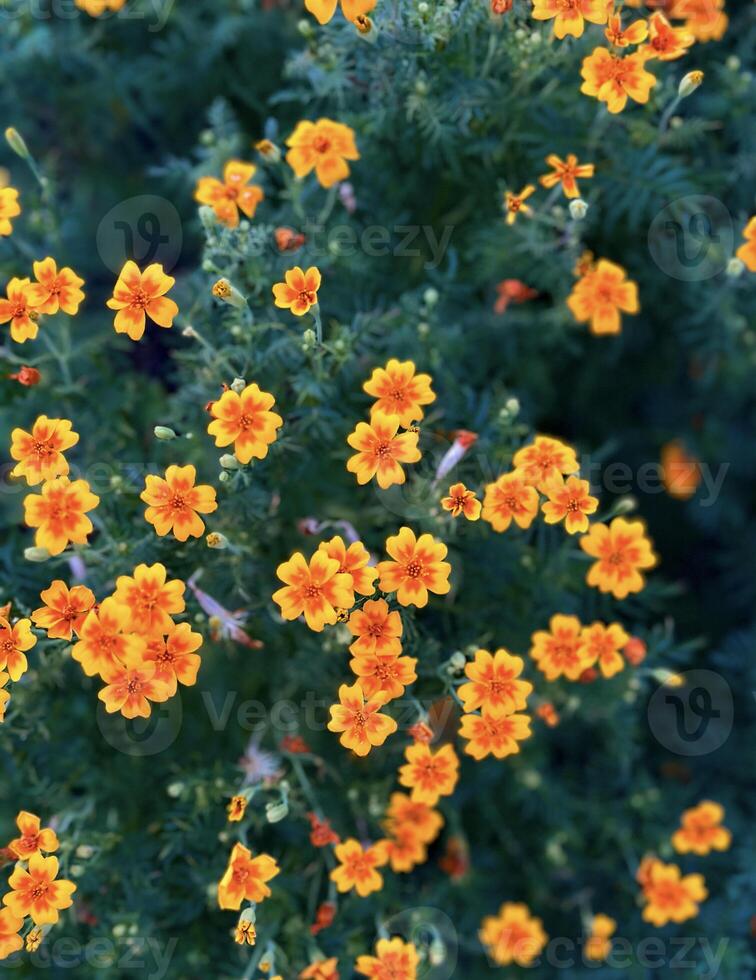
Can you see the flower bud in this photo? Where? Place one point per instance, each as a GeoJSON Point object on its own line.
{"type": "Point", "coordinates": [735, 268]}
{"type": "Point", "coordinates": [216, 540]}
{"type": "Point", "coordinates": [229, 462]}
{"type": "Point", "coordinates": [430, 296]}
{"type": "Point", "coordinates": [512, 406]}
{"type": "Point", "coordinates": [268, 150]}
{"type": "Point", "coordinates": [690, 83]}
{"type": "Point", "coordinates": [16, 142]}
{"type": "Point", "coordinates": [366, 28]}
{"type": "Point", "coordinates": [626, 505]}
{"type": "Point", "coordinates": [224, 291]}
{"type": "Point", "coordinates": [305, 28]}
{"type": "Point", "coordinates": [238, 385]}
{"type": "Point", "coordinates": [308, 339]}
{"type": "Point", "coordinates": [36, 554]}
{"type": "Point", "coordinates": [276, 812]}
{"type": "Point", "coordinates": [224, 476]}
{"type": "Point", "coordinates": [457, 660]}
{"type": "Point", "coordinates": [163, 433]}
{"type": "Point", "coordinates": [578, 209]}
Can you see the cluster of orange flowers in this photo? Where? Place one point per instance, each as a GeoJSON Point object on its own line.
{"type": "Point", "coordinates": [393, 959]}
{"type": "Point", "coordinates": [52, 291]}
{"type": "Point", "coordinates": [37, 893]}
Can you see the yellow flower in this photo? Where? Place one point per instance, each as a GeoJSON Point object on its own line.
{"type": "Point", "coordinates": [514, 203]}
{"type": "Point", "coordinates": [702, 830]}
{"type": "Point", "coordinates": [246, 420]}
{"type": "Point", "coordinates": [231, 195]}
{"type": "Point", "coordinates": [510, 498]}
{"type": "Point", "coordinates": [569, 501]}
{"type": "Point", "coordinates": [513, 936]}
{"type": "Point", "coordinates": [417, 568]}
{"type": "Point", "coordinates": [323, 146]}
{"type": "Point", "coordinates": [599, 944]}
{"type": "Point", "coordinates": [622, 551]}
{"type": "Point", "coordinates": [380, 450]}
{"type": "Point", "coordinates": [323, 10]}
{"type": "Point", "coordinates": [316, 589]}
{"type": "Point", "coordinates": [9, 208]}
{"type": "Point", "coordinates": [398, 390]}
{"type": "Point", "coordinates": [299, 291]}
{"type": "Point", "coordinates": [360, 721]}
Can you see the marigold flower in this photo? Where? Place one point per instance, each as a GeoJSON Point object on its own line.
{"type": "Point", "coordinates": [612, 79]}
{"type": "Point", "coordinates": [58, 512]}
{"type": "Point", "coordinates": [324, 916]}
{"type": "Point", "coordinates": [417, 568]}
{"type": "Point", "coordinates": [430, 775]}
{"type": "Point", "coordinates": [151, 598]}
{"type": "Point", "coordinates": [601, 646]}
{"type": "Point", "coordinates": [545, 459]}
{"type": "Point", "coordinates": [316, 589]}
{"type": "Point", "coordinates": [512, 291]}
{"type": "Point", "coordinates": [40, 452]}
{"type": "Point", "coordinates": [669, 896]}
{"type": "Point", "coordinates": [246, 420]}
{"type": "Point", "coordinates": [34, 838]}
{"type": "Point", "coordinates": [705, 19]}
{"type": "Point", "coordinates": [4, 695]}
{"type": "Point", "coordinates": [56, 289]}
{"type": "Point", "coordinates": [245, 878]}
{"type": "Point", "coordinates": [599, 944]}
{"type": "Point", "coordinates": [404, 850]}
{"type": "Point", "coordinates": [381, 449]}
{"type": "Point", "coordinates": [27, 376]}
{"type": "Point", "coordinates": [548, 714]}
{"type": "Point", "coordinates": [138, 295]}
{"type": "Point", "coordinates": [403, 811]}
{"type": "Point", "coordinates": [38, 892]}
{"type": "Point", "coordinates": [623, 37]}
{"type": "Point", "coordinates": [360, 721]}
{"type": "Point", "coordinates": [421, 732]}
{"type": "Point", "coordinates": [245, 933]}
{"type": "Point", "coordinates": [131, 683]}
{"type": "Point", "coordinates": [288, 240]}
{"type": "Point", "coordinates": [747, 252]}
{"type": "Point", "coordinates": [231, 195]}
{"type": "Point", "coordinates": [299, 291]}
{"type": "Point", "coordinates": [569, 501]}
{"type": "Point", "coordinates": [321, 832]}
{"type": "Point", "coordinates": [514, 204]}
{"type": "Point", "coordinates": [494, 733]}
{"type": "Point", "coordinates": [324, 146]}
{"type": "Point", "coordinates": [18, 306]}
{"type": "Point", "coordinates": [175, 658]}
{"type": "Point", "coordinates": [510, 498]}
{"type": "Point", "coordinates": [566, 172]}
{"type": "Point", "coordinates": [354, 561]}
{"type": "Point", "coordinates": [393, 960]}
{"type": "Point", "coordinates": [357, 867]}
{"type": "Point", "coordinates": [236, 808]}
{"type": "Point", "coordinates": [665, 42]}
{"type": "Point", "coordinates": [635, 651]}
{"type": "Point", "coordinates": [399, 391]}
{"type": "Point", "coordinates": [175, 503]}
{"type": "Point", "coordinates": [702, 830]}
{"type": "Point", "coordinates": [600, 295]}
{"type": "Point", "coordinates": [501, 6]}
{"type": "Point", "coordinates": [570, 15]}
{"type": "Point", "coordinates": [15, 641]}
{"type": "Point", "coordinates": [377, 630]}
{"type": "Point", "coordinates": [106, 636]}
{"type": "Point", "coordinates": [64, 609]}
{"type": "Point", "coordinates": [462, 501]}
{"type": "Point", "coordinates": [95, 8]}
{"type": "Point", "coordinates": [9, 208]}
{"type": "Point", "coordinates": [559, 652]}
{"type": "Point", "coordinates": [622, 550]}
{"type": "Point", "coordinates": [513, 936]}
{"type": "Point", "coordinates": [321, 969]}
{"type": "Point", "coordinates": [384, 677]}
{"type": "Point", "coordinates": [10, 926]}
{"type": "Point", "coordinates": [493, 684]}
{"type": "Point", "coordinates": [681, 472]}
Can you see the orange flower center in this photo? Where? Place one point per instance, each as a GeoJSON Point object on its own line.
{"type": "Point", "coordinates": [69, 613]}
{"type": "Point", "coordinates": [139, 298]}
{"type": "Point", "coordinates": [514, 203]}
{"type": "Point", "coordinates": [414, 569]}
{"type": "Point", "coordinates": [375, 629]}
{"type": "Point", "coordinates": [308, 296]}
{"type": "Point", "coordinates": [177, 502]}
{"type": "Point", "coordinates": [240, 875]}
{"type": "Point", "coordinates": [20, 308]}
{"type": "Point", "coordinates": [134, 686]}
{"type": "Point", "coordinates": [42, 449]}
{"type": "Point", "coordinates": [383, 450]}
{"type": "Point", "coordinates": [8, 647]}
{"type": "Point", "coordinates": [312, 591]}
{"type": "Point", "coordinates": [359, 719]}
{"type": "Point", "coordinates": [29, 843]}
{"type": "Point", "coordinates": [39, 890]}
{"type": "Point", "coordinates": [573, 504]}
{"type": "Point", "coordinates": [321, 144]}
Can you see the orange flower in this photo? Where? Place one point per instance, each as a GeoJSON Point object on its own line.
{"type": "Point", "coordinates": [417, 569]}
{"type": "Point", "coordinates": [599, 944]}
{"type": "Point", "coordinates": [14, 642]}
{"type": "Point", "coordinates": [512, 291]}
{"type": "Point", "coordinates": [494, 734]}
{"type": "Point", "coordinates": [569, 501]}
{"type": "Point", "coordinates": [323, 10]}
{"type": "Point", "coordinates": [38, 891]}
{"type": "Point", "coordinates": [316, 590]}
{"type": "Point", "coordinates": [681, 472]}
{"type": "Point", "coordinates": [64, 609]}
{"type": "Point", "coordinates": [705, 19]}
{"type": "Point", "coordinates": [151, 599]}
{"type": "Point", "coordinates": [565, 172]}
{"type": "Point", "coordinates": [635, 651]}
{"type": "Point", "coordinates": [56, 290]}
{"type": "Point", "coordinates": [107, 635]}
{"type": "Point", "coordinates": [131, 683]}
{"type": "Point", "coordinates": [560, 653]}
{"type": "Point", "coordinates": [669, 897]}
{"type": "Point", "coordinates": [34, 838]}
{"type": "Point", "coordinates": [27, 376]}
{"type": "Point", "coordinates": [288, 240]}
{"type": "Point", "coordinates": [377, 630]}
{"type": "Point", "coordinates": [426, 823]}
{"type": "Point", "coordinates": [393, 960]}
{"type": "Point", "coordinates": [324, 916]}
{"type": "Point", "coordinates": [4, 695]}
{"type": "Point", "coordinates": [510, 498]}
{"type": "Point", "coordinates": [462, 501]}
{"type": "Point", "coordinates": [236, 809]}
{"type": "Point", "coordinates": [299, 291]}
{"type": "Point", "coordinates": [602, 644]}
{"type": "Point", "coordinates": [95, 8]}
{"type": "Point", "coordinates": [404, 851]}
{"type": "Point", "coordinates": [545, 459]}
{"type": "Point", "coordinates": [381, 450]}
{"type": "Point", "coordinates": [321, 969]}
{"type": "Point", "coordinates": [245, 933]}
{"type": "Point", "coordinates": [514, 203]}
{"type": "Point", "coordinates": [175, 503]}
{"type": "Point", "coordinates": [58, 512]}
{"type": "Point", "coordinates": [702, 830]}
{"type": "Point", "coordinates": [357, 867]}
{"type": "Point", "coordinates": [323, 146]}
{"type": "Point", "coordinates": [175, 659]}
{"type": "Point", "coordinates": [548, 714]}
{"type": "Point", "coordinates": [321, 832]}
{"type": "Point", "coordinates": [747, 252]}
{"type": "Point", "coordinates": [600, 295]}
{"type": "Point", "coordinates": [40, 452]}
{"type": "Point", "coordinates": [245, 878]}
{"type": "Point", "coordinates": [493, 683]}
{"type": "Point", "coordinates": [19, 307]}
{"type": "Point", "coordinates": [9, 208]}
{"type": "Point", "coordinates": [664, 41]}
{"type": "Point", "coordinates": [353, 560]}
{"type": "Point", "coordinates": [570, 15]}
{"type": "Point", "coordinates": [399, 391]}
{"type": "Point", "coordinates": [612, 79]}
{"type": "Point", "coordinates": [245, 419]}
{"type": "Point", "coordinates": [231, 195]}
{"type": "Point", "coordinates": [430, 775]}
{"type": "Point", "coordinates": [10, 923]}
{"type": "Point", "coordinates": [513, 936]}
{"type": "Point", "coordinates": [138, 295]}
{"type": "Point", "coordinates": [384, 677]}
{"type": "Point", "coordinates": [360, 721]}
{"type": "Point", "coordinates": [623, 38]}
{"type": "Point", "coordinates": [622, 550]}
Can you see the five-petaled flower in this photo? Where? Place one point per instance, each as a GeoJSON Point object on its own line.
{"type": "Point", "coordinates": [393, 959]}
{"type": "Point", "coordinates": [702, 830]}
{"type": "Point", "coordinates": [357, 868]}
{"type": "Point", "coordinates": [510, 498]}
{"type": "Point", "coordinates": [559, 652]}
{"type": "Point", "coordinates": [245, 878]}
{"type": "Point", "coordinates": [381, 448]}
{"type": "Point", "coordinates": [246, 420]}
{"type": "Point", "coordinates": [601, 295]}
{"type": "Point", "coordinates": [151, 598]}
{"type": "Point", "coordinates": [569, 501]}
{"type": "Point", "coordinates": [316, 589]}
{"type": "Point", "coordinates": [384, 676]}
{"type": "Point", "coordinates": [38, 892]}
{"type": "Point", "coordinates": [64, 610]}
{"type": "Point", "coordinates": [360, 721]}
{"type": "Point", "coordinates": [417, 568]}
{"type": "Point", "coordinates": [33, 837]}
{"type": "Point", "coordinates": [545, 459]}
{"type": "Point", "coordinates": [355, 560]}
{"type": "Point", "coordinates": [494, 683]}
{"type": "Point", "coordinates": [105, 636]}
{"type": "Point", "coordinates": [299, 291]}
{"type": "Point", "coordinates": [403, 811]}
{"type": "Point", "coordinates": [623, 37]}
{"type": "Point", "coordinates": [400, 391]}
{"type": "Point", "coordinates": [514, 204]}
{"type": "Point", "coordinates": [59, 513]}
{"type": "Point", "coordinates": [377, 630]}
{"type": "Point", "coordinates": [462, 501]}
{"type": "Point", "coordinates": [323, 146]}
{"type": "Point", "coordinates": [513, 936]}
{"type": "Point", "coordinates": [566, 172]}
{"type": "Point", "coordinates": [56, 289]}
{"type": "Point", "coordinates": [622, 551]}
{"type": "Point", "coordinates": [175, 658]}
{"type": "Point", "coordinates": [428, 774]}
{"type": "Point", "coordinates": [231, 195]}
{"type": "Point", "coordinates": [175, 503]}
{"type": "Point", "coordinates": [40, 452]}
{"type": "Point", "coordinates": [494, 733]}
{"type": "Point", "coordinates": [9, 208]}
{"type": "Point", "coordinates": [665, 42]}
{"type": "Point", "coordinates": [19, 307]}
{"type": "Point", "coordinates": [138, 295]}
{"type": "Point", "coordinates": [569, 16]}
{"type": "Point", "coordinates": [601, 645]}
{"type": "Point", "coordinates": [131, 684]}
{"type": "Point", "coordinates": [669, 896]}
{"type": "Point", "coordinates": [612, 79]}
{"type": "Point", "coordinates": [15, 642]}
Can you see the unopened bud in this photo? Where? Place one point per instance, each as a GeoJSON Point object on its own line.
{"type": "Point", "coordinates": [224, 291]}
{"type": "Point", "coordinates": [430, 296]}
{"type": "Point", "coordinates": [735, 268]}
{"type": "Point", "coordinates": [305, 28]}
{"type": "Point", "coordinates": [229, 462]}
{"type": "Point", "coordinates": [216, 540]}
{"type": "Point", "coordinates": [238, 385]}
{"type": "Point", "coordinates": [268, 150]}
{"type": "Point", "coordinates": [309, 339]}
{"type": "Point", "coordinates": [276, 812]}
{"type": "Point", "coordinates": [457, 660]}
{"type": "Point", "coordinates": [578, 209]}
{"type": "Point", "coordinates": [224, 476]}
{"type": "Point", "coordinates": [626, 505]}
{"type": "Point", "coordinates": [366, 28]}
{"type": "Point", "coordinates": [163, 433]}
{"type": "Point", "coordinates": [16, 142]}
{"type": "Point", "coordinates": [36, 554]}
{"type": "Point", "coordinates": [690, 83]}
